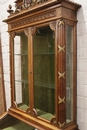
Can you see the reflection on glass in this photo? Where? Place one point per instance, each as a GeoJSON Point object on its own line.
{"type": "Point", "coordinates": [44, 72]}
{"type": "Point", "coordinates": [69, 73]}
{"type": "Point", "coordinates": [21, 70]}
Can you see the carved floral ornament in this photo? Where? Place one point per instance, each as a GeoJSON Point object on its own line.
{"type": "Point", "coordinates": [23, 5]}
{"type": "Point", "coordinates": [27, 4]}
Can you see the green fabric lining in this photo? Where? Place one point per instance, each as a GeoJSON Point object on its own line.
{"type": "Point", "coordinates": [19, 126]}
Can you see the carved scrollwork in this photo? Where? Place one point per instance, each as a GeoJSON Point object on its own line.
{"type": "Point", "coordinates": [53, 25]}
{"type": "Point", "coordinates": [34, 113]}
{"type": "Point", "coordinates": [26, 31]}
{"type": "Point", "coordinates": [53, 121]}
{"type": "Point", "coordinates": [28, 110]}
{"type": "Point", "coordinates": [33, 30]}
{"type": "Point", "coordinates": [15, 104]}
{"type": "Point", "coordinates": [27, 4]}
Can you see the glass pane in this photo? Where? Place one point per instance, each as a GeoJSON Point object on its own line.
{"type": "Point", "coordinates": [21, 70]}
{"type": "Point", "coordinates": [69, 73]}
{"type": "Point", "coordinates": [44, 72]}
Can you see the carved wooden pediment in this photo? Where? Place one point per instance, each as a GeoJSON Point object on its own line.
{"type": "Point", "coordinates": [23, 5]}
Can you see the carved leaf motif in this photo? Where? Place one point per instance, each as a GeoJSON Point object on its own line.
{"type": "Point", "coordinates": [36, 18]}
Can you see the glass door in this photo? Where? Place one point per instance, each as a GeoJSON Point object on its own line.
{"type": "Point", "coordinates": [69, 73]}
{"type": "Point", "coordinates": [21, 70]}
{"type": "Point", "coordinates": [44, 72]}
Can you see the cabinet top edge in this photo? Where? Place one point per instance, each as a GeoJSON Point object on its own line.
{"type": "Point", "coordinates": [50, 3]}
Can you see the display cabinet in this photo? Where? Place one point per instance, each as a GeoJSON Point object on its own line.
{"type": "Point", "coordinates": [43, 63]}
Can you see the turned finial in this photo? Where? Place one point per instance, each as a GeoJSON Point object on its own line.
{"type": "Point", "coordinates": [10, 11]}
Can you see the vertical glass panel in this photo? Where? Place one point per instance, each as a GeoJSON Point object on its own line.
{"type": "Point", "coordinates": [69, 73]}
{"type": "Point", "coordinates": [44, 72]}
{"type": "Point", "coordinates": [21, 70]}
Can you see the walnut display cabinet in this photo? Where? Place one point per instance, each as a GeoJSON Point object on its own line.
{"type": "Point", "coordinates": [43, 63]}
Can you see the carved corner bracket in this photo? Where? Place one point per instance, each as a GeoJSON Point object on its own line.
{"type": "Point", "coordinates": [33, 30]}
{"type": "Point", "coordinates": [26, 31]}
{"type": "Point", "coordinates": [53, 25]}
